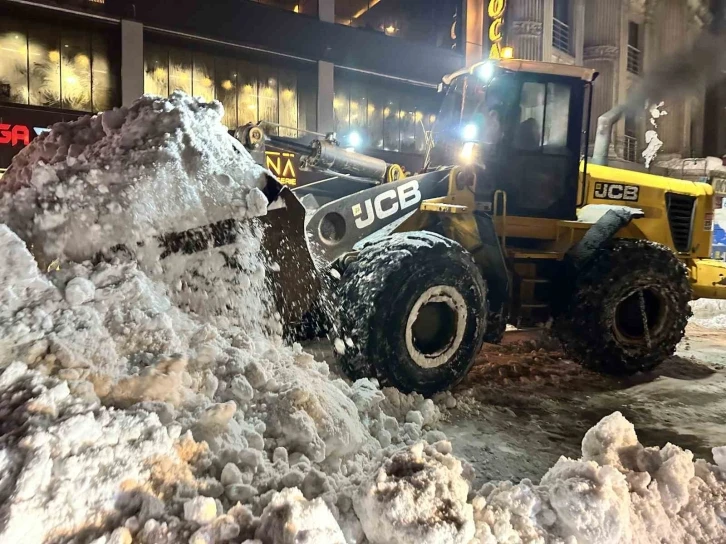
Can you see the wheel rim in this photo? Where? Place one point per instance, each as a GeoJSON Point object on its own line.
{"type": "Point", "coordinates": [435, 326]}
{"type": "Point", "coordinates": [640, 316]}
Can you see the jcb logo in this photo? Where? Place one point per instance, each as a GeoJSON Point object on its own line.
{"type": "Point", "coordinates": [387, 204]}
{"type": "Point", "coordinates": [14, 134]}
{"type": "Point", "coordinates": [617, 191]}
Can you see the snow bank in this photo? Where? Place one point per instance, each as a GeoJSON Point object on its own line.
{"type": "Point", "coordinates": [418, 496]}
{"type": "Point", "coordinates": [153, 385]}
{"type": "Point", "coordinates": [138, 404]}
{"type": "Point", "coordinates": [708, 313]}
{"type": "Point", "coordinates": [159, 166]}
{"type": "Point", "coordinates": [618, 492]}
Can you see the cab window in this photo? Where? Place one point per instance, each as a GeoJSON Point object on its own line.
{"type": "Point", "coordinates": [544, 113]}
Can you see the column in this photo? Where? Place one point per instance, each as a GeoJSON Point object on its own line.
{"type": "Point", "coordinates": [132, 61]}
{"type": "Point", "coordinates": [326, 10]}
{"type": "Point", "coordinates": [326, 95]}
{"type": "Point", "coordinates": [326, 76]}
{"type": "Point", "coordinates": [475, 17]}
{"type": "Point", "coordinates": [602, 52]}
{"type": "Point", "coordinates": [670, 22]}
{"type": "Point", "coordinates": [529, 33]}
{"type": "Point", "coordinates": [578, 30]}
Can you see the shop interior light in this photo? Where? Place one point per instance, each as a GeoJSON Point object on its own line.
{"type": "Point", "coordinates": [508, 53]}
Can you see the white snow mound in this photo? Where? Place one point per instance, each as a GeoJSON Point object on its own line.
{"type": "Point", "coordinates": [619, 492]}
{"type": "Point", "coordinates": [159, 166]}
{"type": "Point", "coordinates": [418, 496]}
{"type": "Point", "coordinates": [146, 396]}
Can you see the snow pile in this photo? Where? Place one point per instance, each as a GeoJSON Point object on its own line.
{"type": "Point", "coordinates": [418, 496]}
{"type": "Point", "coordinates": [709, 313]}
{"type": "Point", "coordinates": [618, 492]}
{"type": "Point", "coordinates": [197, 402]}
{"type": "Point", "coordinates": [159, 166]}
{"type": "Point", "coordinates": [135, 407]}
{"type": "Point", "coordinates": [67, 465]}
{"type": "Point", "coordinates": [262, 416]}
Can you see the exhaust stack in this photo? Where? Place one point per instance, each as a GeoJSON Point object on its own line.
{"type": "Point", "coordinates": [603, 134]}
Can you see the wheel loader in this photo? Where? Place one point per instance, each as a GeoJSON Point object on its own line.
{"type": "Point", "coordinates": [509, 222]}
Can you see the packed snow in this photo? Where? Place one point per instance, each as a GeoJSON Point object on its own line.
{"type": "Point", "coordinates": [710, 314]}
{"type": "Point", "coordinates": [148, 397]}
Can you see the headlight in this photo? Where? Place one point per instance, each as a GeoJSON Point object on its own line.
{"type": "Point", "coordinates": [486, 71]}
{"type": "Point", "coordinates": [469, 152]}
{"type": "Point", "coordinates": [470, 132]}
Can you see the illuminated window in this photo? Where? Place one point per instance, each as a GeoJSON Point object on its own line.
{"type": "Point", "coordinates": [180, 70]}
{"type": "Point", "coordinates": [435, 22]}
{"type": "Point", "coordinates": [384, 118]}
{"type": "Point", "coordinates": [306, 7]}
{"type": "Point", "coordinates": [249, 92]}
{"type": "Point", "coordinates": [43, 66]}
{"type": "Point", "coordinates": [13, 62]}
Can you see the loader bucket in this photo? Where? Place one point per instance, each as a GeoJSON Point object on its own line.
{"type": "Point", "coordinates": [294, 281]}
{"type": "Point", "coordinates": [291, 274]}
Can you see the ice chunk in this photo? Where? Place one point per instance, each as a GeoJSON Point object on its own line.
{"type": "Point", "coordinates": [291, 518]}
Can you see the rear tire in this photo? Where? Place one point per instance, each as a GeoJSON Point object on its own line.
{"type": "Point", "coordinates": [413, 312]}
{"type": "Point", "coordinates": [602, 326]}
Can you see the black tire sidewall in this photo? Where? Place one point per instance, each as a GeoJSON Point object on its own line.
{"type": "Point", "coordinates": [403, 289]}
{"type": "Point", "coordinates": [621, 268]}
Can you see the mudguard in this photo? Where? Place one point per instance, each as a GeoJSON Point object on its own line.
{"type": "Point", "coordinates": [336, 227]}
{"type": "Point", "coordinates": [603, 230]}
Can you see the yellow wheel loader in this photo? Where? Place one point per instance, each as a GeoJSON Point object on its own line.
{"type": "Point", "coordinates": [508, 223]}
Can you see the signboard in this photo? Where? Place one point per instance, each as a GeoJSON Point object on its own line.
{"type": "Point", "coordinates": [495, 33]}
{"type": "Point", "coordinates": [20, 126]}
{"type": "Point", "coordinates": [285, 166]}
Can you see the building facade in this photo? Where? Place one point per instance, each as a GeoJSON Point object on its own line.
{"type": "Point", "coordinates": [367, 68]}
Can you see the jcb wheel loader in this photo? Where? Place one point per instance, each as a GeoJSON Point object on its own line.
{"type": "Point", "coordinates": [507, 223]}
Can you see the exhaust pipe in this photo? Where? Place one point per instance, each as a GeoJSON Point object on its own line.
{"type": "Point", "coordinates": [604, 132]}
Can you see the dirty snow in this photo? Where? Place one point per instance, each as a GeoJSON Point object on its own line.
{"type": "Point", "coordinates": [593, 212]}
{"type": "Point", "coordinates": [136, 405]}
{"type": "Point", "coordinates": [214, 406]}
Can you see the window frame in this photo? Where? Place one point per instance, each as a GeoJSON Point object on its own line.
{"type": "Point", "coordinates": [542, 149]}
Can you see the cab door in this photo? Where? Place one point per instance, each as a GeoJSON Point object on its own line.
{"type": "Point", "coordinates": [537, 163]}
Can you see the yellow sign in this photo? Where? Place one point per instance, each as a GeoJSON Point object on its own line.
{"type": "Point", "coordinates": [282, 165]}
{"type": "Point", "coordinates": [496, 27]}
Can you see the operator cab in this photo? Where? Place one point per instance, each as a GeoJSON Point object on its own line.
{"type": "Point", "coordinates": [526, 124]}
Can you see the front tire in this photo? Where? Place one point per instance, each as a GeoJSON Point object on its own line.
{"type": "Point", "coordinates": [413, 312]}
{"type": "Point", "coordinates": [627, 285]}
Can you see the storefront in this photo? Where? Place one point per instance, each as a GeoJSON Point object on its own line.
{"type": "Point", "coordinates": [20, 126]}
{"type": "Point", "coordinates": [51, 72]}
{"type": "Point", "coordinates": [284, 63]}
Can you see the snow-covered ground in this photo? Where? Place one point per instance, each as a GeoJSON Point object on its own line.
{"type": "Point", "coordinates": [148, 397]}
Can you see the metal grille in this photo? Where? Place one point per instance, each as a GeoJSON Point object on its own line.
{"type": "Point", "coordinates": [634, 56]}
{"type": "Point", "coordinates": [680, 217]}
{"type": "Point", "coordinates": [561, 36]}
{"type": "Point", "coordinates": [630, 149]}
